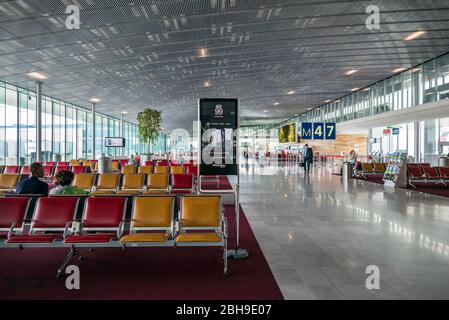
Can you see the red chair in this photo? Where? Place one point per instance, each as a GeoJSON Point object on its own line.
{"type": "Point", "coordinates": [49, 163]}
{"type": "Point", "coordinates": [162, 163]}
{"type": "Point", "coordinates": [25, 170]}
{"type": "Point", "coordinates": [62, 163]}
{"type": "Point", "coordinates": [150, 163]}
{"type": "Point", "coordinates": [422, 165]}
{"type": "Point", "coordinates": [78, 169]}
{"type": "Point", "coordinates": [182, 183]}
{"type": "Point", "coordinates": [444, 172]}
{"type": "Point", "coordinates": [61, 167]}
{"type": "Point", "coordinates": [12, 209]}
{"type": "Point", "coordinates": [123, 162]}
{"type": "Point", "coordinates": [11, 169]}
{"type": "Point", "coordinates": [48, 171]}
{"type": "Point", "coordinates": [50, 219]}
{"type": "Point", "coordinates": [102, 221]}
{"type": "Point", "coordinates": [430, 173]}
{"type": "Point", "coordinates": [192, 170]}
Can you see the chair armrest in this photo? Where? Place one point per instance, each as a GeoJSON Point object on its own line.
{"type": "Point", "coordinates": [68, 224]}
{"type": "Point", "coordinates": [225, 227]}
{"type": "Point", "coordinates": [14, 224]}
{"type": "Point", "coordinates": [121, 228]}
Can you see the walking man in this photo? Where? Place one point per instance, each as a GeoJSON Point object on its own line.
{"type": "Point", "coordinates": [308, 158]}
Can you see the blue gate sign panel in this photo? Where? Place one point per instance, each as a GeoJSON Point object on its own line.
{"type": "Point", "coordinates": [331, 133]}
{"type": "Point", "coordinates": [318, 130]}
{"type": "Point", "coordinates": [307, 130]}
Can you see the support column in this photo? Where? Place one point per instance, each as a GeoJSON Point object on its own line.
{"type": "Point", "coordinates": [38, 120]}
{"type": "Point", "coordinates": [93, 132]}
{"type": "Point", "coordinates": [121, 134]}
{"type": "Point", "coordinates": [416, 141]}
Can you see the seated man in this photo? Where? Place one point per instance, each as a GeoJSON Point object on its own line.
{"type": "Point", "coordinates": [33, 184]}
{"type": "Point", "coordinates": [132, 161]}
{"type": "Point", "coordinates": [64, 179]}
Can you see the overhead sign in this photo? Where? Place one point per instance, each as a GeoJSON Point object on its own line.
{"type": "Point", "coordinates": [318, 130]}
{"type": "Point", "coordinates": [218, 120]}
{"type": "Point", "coordinates": [395, 131]}
{"type": "Point", "coordinates": [387, 132]}
{"type": "Point", "coordinates": [331, 130]}
{"type": "Point", "coordinates": [307, 130]}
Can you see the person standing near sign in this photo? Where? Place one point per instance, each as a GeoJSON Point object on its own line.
{"type": "Point", "coordinates": [308, 158]}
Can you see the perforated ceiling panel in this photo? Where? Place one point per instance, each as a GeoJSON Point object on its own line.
{"type": "Point", "coordinates": [133, 54]}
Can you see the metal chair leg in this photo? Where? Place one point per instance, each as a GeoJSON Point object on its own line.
{"type": "Point", "coordinates": [73, 252]}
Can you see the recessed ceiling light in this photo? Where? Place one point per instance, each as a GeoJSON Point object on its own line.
{"type": "Point", "coordinates": [94, 100]}
{"type": "Point", "coordinates": [291, 92]}
{"type": "Point", "coordinates": [398, 70]}
{"type": "Point", "coordinates": [327, 101]}
{"type": "Point", "coordinates": [265, 111]}
{"type": "Point", "coordinates": [414, 35]}
{"type": "Point", "coordinates": [276, 104]}
{"type": "Point", "coordinates": [354, 89]}
{"type": "Point", "coordinates": [37, 75]}
{"type": "Point", "coordinates": [348, 73]}
{"type": "Point", "coordinates": [207, 84]}
{"type": "Point", "coordinates": [124, 112]}
{"type": "Point", "coordinates": [203, 52]}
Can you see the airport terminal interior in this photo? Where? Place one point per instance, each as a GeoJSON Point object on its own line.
{"type": "Point", "coordinates": [224, 149]}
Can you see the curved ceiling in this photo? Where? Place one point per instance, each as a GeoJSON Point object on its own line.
{"type": "Point", "coordinates": [278, 57]}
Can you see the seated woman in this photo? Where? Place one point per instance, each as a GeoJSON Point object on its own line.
{"type": "Point", "coordinates": [64, 179]}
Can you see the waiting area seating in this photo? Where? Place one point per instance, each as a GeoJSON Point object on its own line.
{"type": "Point", "coordinates": [425, 173]}
{"type": "Point", "coordinates": [371, 169]}
{"type": "Point", "coordinates": [103, 223]}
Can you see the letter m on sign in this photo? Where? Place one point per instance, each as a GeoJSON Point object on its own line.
{"type": "Point", "coordinates": [306, 130]}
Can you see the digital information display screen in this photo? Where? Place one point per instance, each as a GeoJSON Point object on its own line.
{"type": "Point", "coordinates": [114, 142]}
{"type": "Point", "coordinates": [218, 119]}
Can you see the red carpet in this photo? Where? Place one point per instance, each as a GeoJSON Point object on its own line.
{"type": "Point", "coordinates": [372, 178]}
{"type": "Point", "coordinates": [142, 273]}
{"type": "Point", "coordinates": [439, 190]}
{"type": "Point", "coordinates": [221, 184]}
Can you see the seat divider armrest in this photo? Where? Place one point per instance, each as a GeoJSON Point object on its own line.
{"type": "Point", "coordinates": [13, 225]}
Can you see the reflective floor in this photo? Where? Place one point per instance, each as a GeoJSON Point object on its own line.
{"type": "Point", "coordinates": [319, 235]}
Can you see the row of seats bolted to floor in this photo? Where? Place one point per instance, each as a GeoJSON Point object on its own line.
{"type": "Point", "coordinates": [49, 170]}
{"type": "Point", "coordinates": [115, 183]}
{"type": "Point", "coordinates": [96, 222]}
{"type": "Point", "coordinates": [425, 173]}
{"type": "Point", "coordinates": [370, 169]}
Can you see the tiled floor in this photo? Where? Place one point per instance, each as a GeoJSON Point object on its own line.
{"type": "Point", "coordinates": [319, 234]}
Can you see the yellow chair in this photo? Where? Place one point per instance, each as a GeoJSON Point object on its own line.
{"type": "Point", "coordinates": [152, 220]}
{"type": "Point", "coordinates": [74, 163]}
{"type": "Point", "coordinates": [367, 167]}
{"type": "Point", "coordinates": [204, 216]}
{"type": "Point", "coordinates": [114, 165]}
{"type": "Point", "coordinates": [84, 181]}
{"type": "Point", "coordinates": [8, 182]}
{"type": "Point", "coordinates": [107, 183]}
{"type": "Point", "coordinates": [146, 169]}
{"type": "Point", "coordinates": [177, 170]}
{"type": "Point", "coordinates": [132, 183]}
{"type": "Point", "coordinates": [161, 169]}
{"type": "Point", "coordinates": [157, 183]}
{"type": "Point", "coordinates": [379, 167]}
{"type": "Point", "coordinates": [129, 169]}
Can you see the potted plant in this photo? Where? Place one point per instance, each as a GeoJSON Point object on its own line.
{"type": "Point", "coordinates": [149, 126]}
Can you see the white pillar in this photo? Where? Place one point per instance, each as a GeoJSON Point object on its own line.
{"type": "Point", "coordinates": [93, 132]}
{"type": "Point", "coordinates": [38, 120]}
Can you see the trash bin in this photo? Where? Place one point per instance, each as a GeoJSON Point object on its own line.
{"type": "Point", "coordinates": [346, 171]}
{"type": "Point", "coordinates": [104, 165]}
{"type": "Point", "coordinates": [443, 162]}
{"type": "Point", "coordinates": [57, 157]}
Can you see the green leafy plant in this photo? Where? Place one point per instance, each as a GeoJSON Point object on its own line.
{"type": "Point", "coordinates": [149, 125]}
